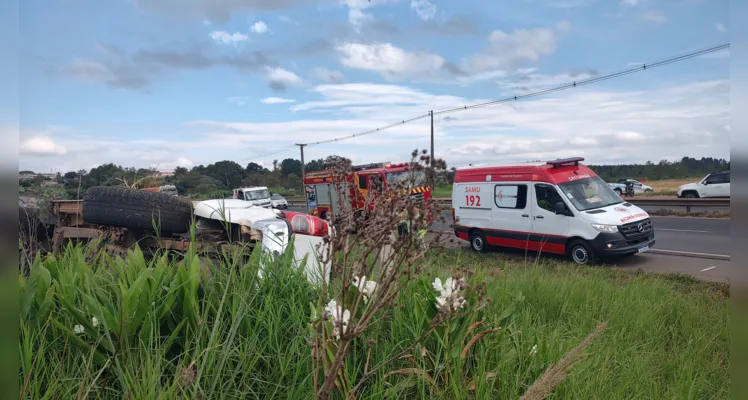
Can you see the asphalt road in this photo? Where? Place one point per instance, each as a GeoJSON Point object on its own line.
{"type": "Point", "coordinates": [696, 235]}
{"type": "Point", "coordinates": [690, 235]}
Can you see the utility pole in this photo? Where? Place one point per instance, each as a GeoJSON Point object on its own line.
{"type": "Point", "coordinates": [433, 160]}
{"type": "Point", "coordinates": [303, 167]}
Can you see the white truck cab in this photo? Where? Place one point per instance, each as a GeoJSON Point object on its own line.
{"type": "Point", "coordinates": [257, 196]}
{"type": "Point", "coordinates": [559, 206]}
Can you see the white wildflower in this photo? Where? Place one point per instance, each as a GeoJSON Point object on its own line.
{"type": "Point", "coordinates": [534, 350]}
{"type": "Point", "coordinates": [338, 316]}
{"type": "Point", "coordinates": [79, 329]}
{"type": "Point", "coordinates": [94, 322]}
{"type": "Point", "coordinates": [366, 288]}
{"type": "Point", "coordinates": [449, 295]}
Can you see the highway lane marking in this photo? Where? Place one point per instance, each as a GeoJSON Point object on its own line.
{"type": "Point", "coordinates": [708, 269]}
{"type": "Point", "coordinates": [682, 230]}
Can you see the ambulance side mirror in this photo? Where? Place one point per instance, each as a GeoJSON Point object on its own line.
{"type": "Point", "coordinates": [560, 208]}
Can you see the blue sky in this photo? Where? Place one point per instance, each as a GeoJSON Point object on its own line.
{"type": "Point", "coordinates": [186, 82]}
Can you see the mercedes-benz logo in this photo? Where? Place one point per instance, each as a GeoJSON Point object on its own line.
{"type": "Point", "coordinates": [641, 227]}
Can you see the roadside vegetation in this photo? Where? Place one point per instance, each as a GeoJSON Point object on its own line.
{"type": "Point", "coordinates": [400, 317]}
{"type": "Point", "coordinates": [92, 326]}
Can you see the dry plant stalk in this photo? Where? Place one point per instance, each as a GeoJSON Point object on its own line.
{"type": "Point", "coordinates": [557, 373]}
{"type": "Point", "coordinates": [378, 258]}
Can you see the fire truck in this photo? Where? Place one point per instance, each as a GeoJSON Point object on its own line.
{"type": "Point", "coordinates": [326, 193]}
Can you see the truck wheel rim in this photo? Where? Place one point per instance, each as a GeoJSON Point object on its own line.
{"type": "Point", "coordinates": [580, 255]}
{"type": "Point", "coordinates": [478, 243]}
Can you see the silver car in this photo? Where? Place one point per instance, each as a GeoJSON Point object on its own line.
{"type": "Point", "coordinates": [277, 201]}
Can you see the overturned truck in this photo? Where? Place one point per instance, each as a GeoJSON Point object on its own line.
{"type": "Point", "coordinates": [124, 218]}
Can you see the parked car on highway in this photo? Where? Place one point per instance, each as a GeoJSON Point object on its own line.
{"type": "Point", "coordinates": [278, 201]}
{"type": "Point", "coordinates": [713, 185]}
{"type": "Point", "coordinates": [639, 187]}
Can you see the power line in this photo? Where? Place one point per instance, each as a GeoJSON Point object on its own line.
{"type": "Point", "coordinates": [588, 81]}
{"type": "Point", "coordinates": [272, 152]}
{"type": "Point", "coordinates": [403, 122]}
{"type": "Point", "coordinates": [571, 85]}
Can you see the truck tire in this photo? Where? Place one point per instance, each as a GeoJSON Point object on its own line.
{"type": "Point", "coordinates": [131, 208]}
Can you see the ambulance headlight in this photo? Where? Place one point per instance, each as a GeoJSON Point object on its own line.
{"type": "Point", "coordinates": [605, 228]}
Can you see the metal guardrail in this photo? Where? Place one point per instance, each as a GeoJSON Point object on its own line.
{"type": "Point", "coordinates": [675, 202]}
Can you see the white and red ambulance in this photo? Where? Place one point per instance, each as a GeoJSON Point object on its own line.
{"type": "Point", "coordinates": [559, 206]}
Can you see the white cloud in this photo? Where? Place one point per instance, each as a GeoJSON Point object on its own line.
{"type": "Point", "coordinates": [42, 146]}
{"type": "Point", "coordinates": [506, 49]}
{"type": "Point", "coordinates": [357, 17]}
{"type": "Point", "coordinates": [390, 61]}
{"type": "Point", "coordinates": [327, 75]}
{"type": "Point", "coordinates": [425, 9]}
{"type": "Point", "coordinates": [224, 37]}
{"type": "Point", "coordinates": [725, 53]}
{"type": "Point", "coordinates": [259, 28]}
{"type": "Point", "coordinates": [239, 100]}
{"type": "Point", "coordinates": [284, 18]}
{"type": "Point", "coordinates": [282, 75]}
{"type": "Point", "coordinates": [276, 100]}
{"type": "Point", "coordinates": [654, 16]}
{"type": "Point", "coordinates": [563, 26]}
{"type": "Point", "coordinates": [356, 14]}
{"type": "Point", "coordinates": [90, 70]}
{"type": "Point", "coordinates": [600, 125]}
{"type": "Point", "coordinates": [524, 82]}
{"type": "Point", "coordinates": [720, 27]}
{"type": "Point", "coordinates": [570, 3]}
{"type": "Point", "coordinates": [630, 3]}
{"type": "Point", "coordinates": [171, 165]}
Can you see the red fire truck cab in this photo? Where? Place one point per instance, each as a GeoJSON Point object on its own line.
{"type": "Point", "coordinates": [326, 193]}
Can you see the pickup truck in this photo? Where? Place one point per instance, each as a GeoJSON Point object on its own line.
{"type": "Point", "coordinates": [257, 196]}
{"type": "Point", "coordinates": [620, 187]}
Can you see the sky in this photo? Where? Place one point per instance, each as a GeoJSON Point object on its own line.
{"type": "Point", "coordinates": [167, 83]}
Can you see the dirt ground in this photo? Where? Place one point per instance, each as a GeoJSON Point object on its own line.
{"type": "Point", "coordinates": [669, 185]}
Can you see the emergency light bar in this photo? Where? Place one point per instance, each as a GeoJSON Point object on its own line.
{"type": "Point", "coordinates": [565, 161]}
{"type": "Point", "coordinates": [368, 166]}
{"type": "Point", "coordinates": [402, 164]}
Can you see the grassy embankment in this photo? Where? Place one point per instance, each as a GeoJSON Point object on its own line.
{"type": "Point", "coordinates": [172, 330]}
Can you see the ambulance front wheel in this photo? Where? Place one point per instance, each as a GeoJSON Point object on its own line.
{"type": "Point", "coordinates": [582, 253]}
{"type": "Point", "coordinates": [478, 241]}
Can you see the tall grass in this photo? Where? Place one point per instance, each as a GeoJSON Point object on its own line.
{"type": "Point", "coordinates": [181, 326]}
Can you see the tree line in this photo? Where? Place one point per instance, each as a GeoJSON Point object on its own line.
{"type": "Point", "coordinates": [218, 179]}
{"type": "Point", "coordinates": [687, 167]}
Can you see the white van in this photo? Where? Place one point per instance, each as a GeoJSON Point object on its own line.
{"type": "Point", "coordinates": [559, 207]}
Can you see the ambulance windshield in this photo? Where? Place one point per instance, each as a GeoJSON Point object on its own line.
{"type": "Point", "coordinates": [590, 193]}
{"type": "Point", "coordinates": [415, 178]}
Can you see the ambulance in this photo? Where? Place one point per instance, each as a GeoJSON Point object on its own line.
{"type": "Point", "coordinates": [558, 206]}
